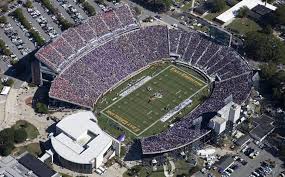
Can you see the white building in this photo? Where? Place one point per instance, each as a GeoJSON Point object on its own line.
{"type": "Point", "coordinates": [231, 13]}
{"type": "Point", "coordinates": [229, 113]}
{"type": "Point", "coordinates": [80, 143]}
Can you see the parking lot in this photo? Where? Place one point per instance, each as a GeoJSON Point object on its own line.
{"type": "Point", "coordinates": [249, 161]}
{"type": "Point", "coordinates": [255, 163]}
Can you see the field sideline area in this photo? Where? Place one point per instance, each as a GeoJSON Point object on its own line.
{"type": "Point", "coordinates": [142, 109]}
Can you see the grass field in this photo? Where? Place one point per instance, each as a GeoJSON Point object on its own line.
{"type": "Point", "coordinates": [243, 26]}
{"type": "Point", "coordinates": [143, 108]}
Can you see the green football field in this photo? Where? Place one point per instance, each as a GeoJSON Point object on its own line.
{"type": "Point", "coordinates": [144, 107]}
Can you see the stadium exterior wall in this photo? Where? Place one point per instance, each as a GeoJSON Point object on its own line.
{"type": "Point", "coordinates": [179, 147]}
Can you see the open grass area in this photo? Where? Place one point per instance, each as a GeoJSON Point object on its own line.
{"type": "Point", "coordinates": [139, 113]}
{"type": "Point", "coordinates": [186, 6]}
{"type": "Point", "coordinates": [243, 26]}
{"type": "Point", "coordinates": [31, 130]}
{"type": "Point", "coordinates": [33, 148]}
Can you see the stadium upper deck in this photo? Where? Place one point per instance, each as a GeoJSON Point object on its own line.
{"type": "Point", "coordinates": [74, 42]}
{"type": "Point", "coordinates": [88, 66]}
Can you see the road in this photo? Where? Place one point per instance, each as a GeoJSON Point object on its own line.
{"type": "Point", "coordinates": [164, 18]}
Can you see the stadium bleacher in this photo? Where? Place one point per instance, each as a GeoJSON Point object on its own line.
{"type": "Point", "coordinates": [107, 62]}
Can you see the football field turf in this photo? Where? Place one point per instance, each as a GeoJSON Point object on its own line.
{"type": "Point", "coordinates": [144, 107]}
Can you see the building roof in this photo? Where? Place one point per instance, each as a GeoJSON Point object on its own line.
{"type": "Point", "coordinates": [225, 162]}
{"type": "Point", "coordinates": [80, 139]}
{"type": "Point", "coordinates": [230, 14]}
{"type": "Point", "coordinates": [26, 165]}
{"type": "Point", "coordinates": [264, 127]}
{"type": "Point", "coordinates": [261, 10]}
{"type": "Point", "coordinates": [218, 120]}
{"type": "Point", "coordinates": [242, 140]}
{"type": "Point", "coordinates": [35, 165]}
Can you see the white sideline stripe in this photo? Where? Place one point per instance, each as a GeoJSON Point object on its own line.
{"type": "Point", "coordinates": [138, 87]}
{"type": "Point", "coordinates": [120, 124]}
{"type": "Point", "coordinates": [102, 112]}
{"type": "Point", "coordinates": [174, 114]}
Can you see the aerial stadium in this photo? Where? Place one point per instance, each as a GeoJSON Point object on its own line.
{"type": "Point", "coordinates": [155, 83]}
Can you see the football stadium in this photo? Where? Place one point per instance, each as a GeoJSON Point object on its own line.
{"type": "Point", "coordinates": [155, 82]}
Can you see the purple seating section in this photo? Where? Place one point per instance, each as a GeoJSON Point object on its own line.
{"type": "Point", "coordinates": [75, 39]}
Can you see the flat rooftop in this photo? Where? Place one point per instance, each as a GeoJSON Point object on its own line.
{"type": "Point", "coordinates": [80, 139]}
{"type": "Point", "coordinates": [231, 13]}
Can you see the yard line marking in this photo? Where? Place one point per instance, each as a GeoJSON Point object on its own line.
{"type": "Point", "coordinates": [138, 87]}
{"type": "Point", "coordinates": [190, 74]}
{"type": "Point", "coordinates": [173, 115]}
{"type": "Point", "coordinates": [119, 123]}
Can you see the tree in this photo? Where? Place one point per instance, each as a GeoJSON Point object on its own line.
{"type": "Point", "coordinates": [263, 47]}
{"type": "Point", "coordinates": [20, 135]}
{"type": "Point", "coordinates": [9, 82]}
{"type": "Point", "coordinates": [218, 5]}
{"type": "Point", "coordinates": [156, 5]}
{"type": "Point", "coordinates": [6, 149]}
{"type": "Point", "coordinates": [41, 108]}
{"type": "Point", "coordinates": [268, 71]}
{"type": "Point", "coordinates": [89, 8]}
{"type": "Point", "coordinates": [267, 29]}
{"type": "Point", "coordinates": [3, 19]}
{"type": "Point", "coordinates": [7, 52]}
{"type": "Point", "coordinates": [243, 12]}
{"type": "Point", "coordinates": [7, 135]}
{"type": "Point", "coordinates": [28, 4]}
{"type": "Point", "coordinates": [280, 15]}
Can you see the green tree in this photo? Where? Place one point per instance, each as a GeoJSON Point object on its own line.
{"type": "Point", "coordinates": [280, 15]}
{"type": "Point", "coordinates": [263, 47]}
{"type": "Point", "coordinates": [6, 135]}
{"type": "Point", "coordinates": [20, 135]}
{"type": "Point", "coordinates": [156, 5]}
{"type": "Point", "coordinates": [89, 8]}
{"type": "Point", "coordinates": [218, 5]}
{"type": "Point", "coordinates": [28, 4]}
{"type": "Point", "coordinates": [41, 108]}
{"type": "Point", "coordinates": [7, 52]}
{"type": "Point", "coordinates": [6, 149]}
{"type": "Point", "coordinates": [243, 12]}
{"type": "Point", "coordinates": [3, 19]}
{"type": "Point", "coordinates": [9, 82]}
{"type": "Point", "coordinates": [268, 71]}
{"type": "Point", "coordinates": [267, 29]}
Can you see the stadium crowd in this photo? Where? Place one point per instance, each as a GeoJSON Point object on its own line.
{"type": "Point", "coordinates": [79, 39]}
{"type": "Point", "coordinates": [88, 71]}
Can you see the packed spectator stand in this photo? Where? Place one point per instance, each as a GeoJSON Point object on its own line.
{"type": "Point", "coordinates": [105, 49]}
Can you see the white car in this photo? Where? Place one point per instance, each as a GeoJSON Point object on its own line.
{"type": "Point", "coordinates": [98, 171]}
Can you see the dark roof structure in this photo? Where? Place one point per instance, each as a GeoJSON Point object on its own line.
{"type": "Point", "coordinates": [261, 10]}
{"type": "Point", "coordinates": [264, 127]}
{"type": "Point", "coordinates": [225, 163]}
{"type": "Point", "coordinates": [35, 165]}
{"type": "Point", "coordinates": [243, 140]}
